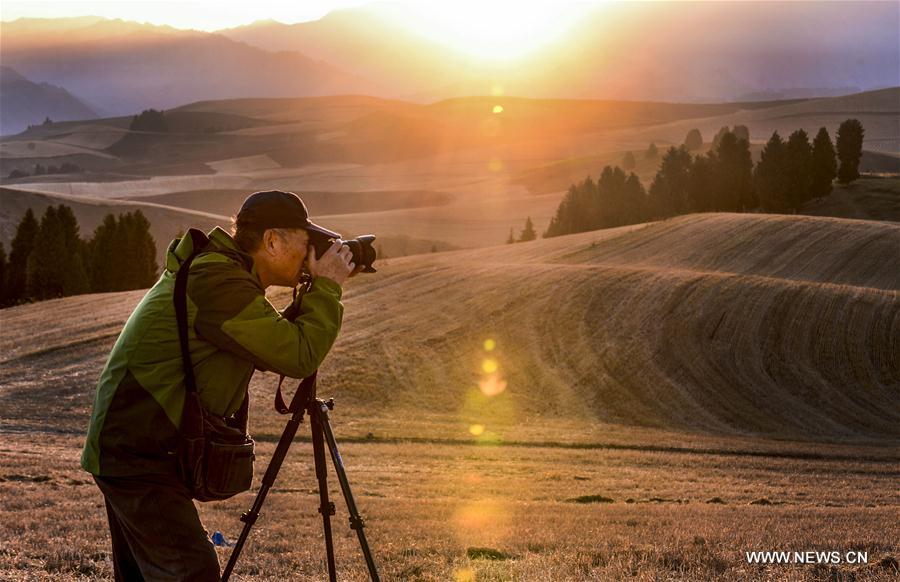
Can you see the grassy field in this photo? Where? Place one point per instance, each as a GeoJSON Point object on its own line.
{"type": "Point", "coordinates": [446, 511]}
{"type": "Point", "coordinates": [648, 403]}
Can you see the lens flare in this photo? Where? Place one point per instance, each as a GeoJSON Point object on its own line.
{"type": "Point", "coordinates": [476, 429]}
{"type": "Point", "coordinates": [498, 109]}
{"type": "Point", "coordinates": [492, 385]}
{"type": "Point", "coordinates": [489, 366]}
{"type": "Point", "coordinates": [497, 90]}
{"type": "Point", "coordinates": [489, 345]}
{"type": "Point", "coordinates": [483, 522]}
{"type": "Point", "coordinates": [490, 127]}
{"type": "Point", "coordinates": [464, 575]}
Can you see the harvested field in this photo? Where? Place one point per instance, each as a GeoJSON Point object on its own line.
{"type": "Point", "coordinates": [722, 383]}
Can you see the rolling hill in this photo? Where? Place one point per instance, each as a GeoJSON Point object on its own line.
{"type": "Point", "coordinates": [776, 326]}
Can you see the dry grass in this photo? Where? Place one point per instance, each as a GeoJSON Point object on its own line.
{"type": "Point", "coordinates": [771, 427]}
{"type": "Point", "coordinates": [441, 512]}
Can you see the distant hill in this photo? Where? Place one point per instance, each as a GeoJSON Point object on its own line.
{"type": "Point", "coordinates": [166, 222]}
{"type": "Point", "coordinates": [784, 327]}
{"type": "Point", "coordinates": [27, 103]}
{"type": "Point", "coordinates": [125, 67]}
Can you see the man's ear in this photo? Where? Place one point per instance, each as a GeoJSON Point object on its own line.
{"type": "Point", "coordinates": [270, 241]}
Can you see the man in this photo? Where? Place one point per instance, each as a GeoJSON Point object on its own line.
{"type": "Point", "coordinates": [232, 329]}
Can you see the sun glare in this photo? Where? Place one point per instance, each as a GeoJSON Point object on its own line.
{"type": "Point", "coordinates": [495, 31]}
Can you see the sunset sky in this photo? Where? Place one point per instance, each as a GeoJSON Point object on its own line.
{"type": "Point", "coordinates": [495, 30]}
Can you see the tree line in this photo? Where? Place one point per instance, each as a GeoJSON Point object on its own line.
{"type": "Point", "coordinates": [788, 174]}
{"type": "Point", "coordinates": [49, 259]}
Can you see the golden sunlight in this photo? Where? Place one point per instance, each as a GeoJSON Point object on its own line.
{"type": "Point", "coordinates": [498, 109]}
{"type": "Point", "coordinates": [496, 31]}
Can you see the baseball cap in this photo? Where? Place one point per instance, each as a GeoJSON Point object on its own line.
{"type": "Point", "coordinates": [277, 209]}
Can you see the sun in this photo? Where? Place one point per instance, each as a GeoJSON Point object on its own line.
{"type": "Point", "coordinates": [495, 31]}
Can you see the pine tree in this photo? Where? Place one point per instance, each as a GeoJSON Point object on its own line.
{"type": "Point", "coordinates": [701, 185]}
{"type": "Point", "coordinates": [528, 232]}
{"type": "Point", "coordinates": [21, 247]}
{"type": "Point", "coordinates": [824, 164]}
{"type": "Point", "coordinates": [135, 253]}
{"type": "Point", "coordinates": [102, 252]}
{"type": "Point", "coordinates": [511, 238]}
{"type": "Point", "coordinates": [849, 150]}
{"type": "Point", "coordinates": [55, 267]}
{"type": "Point", "coordinates": [75, 278]}
{"type": "Point", "coordinates": [146, 269]}
{"type": "Point", "coordinates": [693, 140]}
{"type": "Point", "coordinates": [44, 267]}
{"type": "Point", "coordinates": [769, 175]}
{"type": "Point", "coordinates": [717, 139]}
{"type": "Point", "coordinates": [798, 155]}
{"type": "Point", "coordinates": [628, 162]}
{"type": "Point", "coordinates": [652, 152]}
{"type": "Point", "coordinates": [669, 190]}
{"type": "Point", "coordinates": [733, 175]}
{"type": "Point", "coordinates": [741, 132]}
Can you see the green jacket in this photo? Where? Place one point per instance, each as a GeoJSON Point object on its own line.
{"type": "Point", "coordinates": [232, 329]}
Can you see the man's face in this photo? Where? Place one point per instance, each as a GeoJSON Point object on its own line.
{"type": "Point", "coordinates": [287, 256]}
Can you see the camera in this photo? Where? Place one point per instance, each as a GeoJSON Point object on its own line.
{"type": "Point", "coordinates": [360, 248]}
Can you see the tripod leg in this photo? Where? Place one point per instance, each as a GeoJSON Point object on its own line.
{"type": "Point", "coordinates": [320, 414]}
{"type": "Point", "coordinates": [305, 391]}
{"type": "Point", "coordinates": [326, 508]}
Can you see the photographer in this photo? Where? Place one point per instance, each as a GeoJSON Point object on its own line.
{"type": "Point", "coordinates": [133, 437]}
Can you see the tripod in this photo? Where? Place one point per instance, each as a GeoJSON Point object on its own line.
{"type": "Point", "coordinates": [305, 400]}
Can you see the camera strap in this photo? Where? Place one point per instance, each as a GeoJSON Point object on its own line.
{"type": "Point", "coordinates": [195, 422]}
{"type": "Point", "coordinates": [291, 314]}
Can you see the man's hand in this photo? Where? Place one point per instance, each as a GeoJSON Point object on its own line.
{"type": "Point", "coordinates": [336, 263]}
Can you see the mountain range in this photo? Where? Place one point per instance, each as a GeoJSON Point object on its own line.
{"type": "Point", "coordinates": [700, 52]}
{"type": "Point", "coordinates": [27, 103]}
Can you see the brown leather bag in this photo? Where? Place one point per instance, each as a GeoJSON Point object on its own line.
{"type": "Point", "coordinates": [215, 454]}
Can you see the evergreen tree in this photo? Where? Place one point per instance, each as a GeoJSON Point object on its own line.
{"type": "Point", "coordinates": [652, 152]}
{"type": "Point", "coordinates": [135, 252]}
{"type": "Point", "coordinates": [21, 247]}
{"type": "Point", "coordinates": [635, 209]}
{"type": "Point", "coordinates": [578, 211]}
{"type": "Point", "coordinates": [75, 278]}
{"type": "Point", "coordinates": [717, 139]}
{"type": "Point", "coordinates": [701, 185]}
{"type": "Point", "coordinates": [693, 140]}
{"type": "Point", "coordinates": [4, 271]}
{"type": "Point", "coordinates": [528, 232]}
{"type": "Point", "coordinates": [55, 267]}
{"type": "Point", "coordinates": [824, 164]}
{"type": "Point", "coordinates": [769, 175]}
{"type": "Point", "coordinates": [628, 162]}
{"type": "Point", "coordinates": [798, 176]}
{"type": "Point", "coordinates": [149, 120]}
{"type": "Point", "coordinates": [733, 175]}
{"type": "Point", "coordinates": [669, 190]}
{"type": "Point", "coordinates": [102, 252]}
{"type": "Point", "coordinates": [511, 238]}
{"type": "Point", "coordinates": [741, 132]}
{"type": "Point", "coordinates": [849, 150]}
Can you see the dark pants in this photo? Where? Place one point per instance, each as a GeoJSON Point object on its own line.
{"type": "Point", "coordinates": [156, 532]}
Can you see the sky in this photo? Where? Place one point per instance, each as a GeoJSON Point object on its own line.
{"type": "Point", "coordinates": [205, 15]}
{"type": "Point", "coordinates": [212, 15]}
{"type": "Point", "coordinates": [488, 29]}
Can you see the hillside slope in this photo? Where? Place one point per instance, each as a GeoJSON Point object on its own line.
{"type": "Point", "coordinates": [767, 325]}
